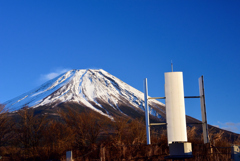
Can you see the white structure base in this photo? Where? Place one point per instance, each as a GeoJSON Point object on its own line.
{"type": "Point", "coordinates": [180, 148]}
{"type": "Point", "coordinates": [69, 156]}
{"type": "Point", "coordinates": [236, 153]}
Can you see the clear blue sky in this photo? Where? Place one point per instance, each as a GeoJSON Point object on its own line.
{"type": "Point", "coordinates": [130, 39]}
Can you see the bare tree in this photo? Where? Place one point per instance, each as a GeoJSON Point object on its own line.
{"type": "Point", "coordinates": [57, 139]}
{"type": "Point", "coordinates": [29, 132]}
{"type": "Point", "coordinates": [86, 127]}
{"type": "Point", "coordinates": [137, 131]}
{"type": "Point", "coordinates": [6, 125]}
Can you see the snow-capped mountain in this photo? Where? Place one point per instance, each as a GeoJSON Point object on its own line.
{"type": "Point", "coordinates": [94, 89]}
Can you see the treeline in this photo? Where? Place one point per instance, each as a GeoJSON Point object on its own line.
{"type": "Point", "coordinates": [90, 136]}
{"type": "Point", "coordinates": [36, 137]}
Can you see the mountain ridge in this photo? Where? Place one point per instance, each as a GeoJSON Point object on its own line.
{"type": "Point", "coordinates": [93, 88]}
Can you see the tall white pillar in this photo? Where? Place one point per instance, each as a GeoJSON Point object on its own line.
{"type": "Point", "coordinates": [175, 107]}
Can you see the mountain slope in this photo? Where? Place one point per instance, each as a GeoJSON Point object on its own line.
{"type": "Point", "coordinates": [95, 89]}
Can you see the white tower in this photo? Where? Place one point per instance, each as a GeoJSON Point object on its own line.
{"type": "Point", "coordinates": [175, 107]}
{"type": "Point", "coordinates": [176, 118]}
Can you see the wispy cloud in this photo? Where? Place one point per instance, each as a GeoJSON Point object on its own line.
{"type": "Point", "coordinates": [53, 74]}
{"type": "Point", "coordinates": [230, 126]}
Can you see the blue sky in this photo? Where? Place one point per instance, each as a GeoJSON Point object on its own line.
{"type": "Point", "coordinates": [130, 39]}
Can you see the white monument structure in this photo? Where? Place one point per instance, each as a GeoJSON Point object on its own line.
{"type": "Point", "coordinates": [175, 107]}
{"type": "Point", "coordinates": [175, 115]}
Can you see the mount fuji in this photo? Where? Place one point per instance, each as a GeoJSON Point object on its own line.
{"type": "Point", "coordinates": [90, 88]}
{"type": "Point", "coordinates": [97, 90]}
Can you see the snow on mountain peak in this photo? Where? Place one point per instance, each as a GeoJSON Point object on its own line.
{"type": "Point", "coordinates": [89, 87]}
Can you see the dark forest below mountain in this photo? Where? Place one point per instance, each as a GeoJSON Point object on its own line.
{"type": "Point", "coordinates": [31, 135]}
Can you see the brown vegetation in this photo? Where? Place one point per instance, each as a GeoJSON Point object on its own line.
{"type": "Point", "coordinates": [93, 137]}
